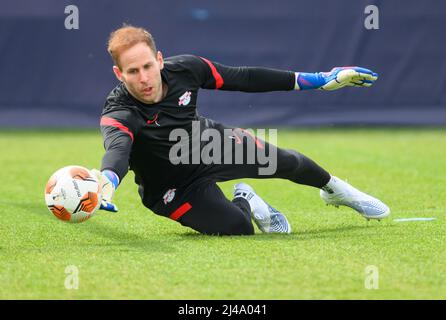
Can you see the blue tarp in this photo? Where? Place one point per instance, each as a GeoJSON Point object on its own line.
{"type": "Point", "coordinates": [52, 76]}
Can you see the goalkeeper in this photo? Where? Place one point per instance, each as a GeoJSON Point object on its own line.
{"type": "Point", "coordinates": [156, 96]}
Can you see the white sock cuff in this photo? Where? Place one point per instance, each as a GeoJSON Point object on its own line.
{"type": "Point", "coordinates": [331, 185]}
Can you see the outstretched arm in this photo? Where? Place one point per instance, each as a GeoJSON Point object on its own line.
{"type": "Point", "coordinates": [213, 75]}
{"type": "Point", "coordinates": [117, 132]}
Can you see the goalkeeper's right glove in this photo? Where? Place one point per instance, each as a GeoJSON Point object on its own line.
{"type": "Point", "coordinates": [109, 182]}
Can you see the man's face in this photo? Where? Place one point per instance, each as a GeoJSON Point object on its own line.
{"type": "Point", "coordinates": [140, 72]}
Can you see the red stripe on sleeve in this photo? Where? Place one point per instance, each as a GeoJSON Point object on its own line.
{"type": "Point", "coordinates": [185, 207]}
{"type": "Point", "coordinates": [106, 121]}
{"type": "Point", "coordinates": [217, 76]}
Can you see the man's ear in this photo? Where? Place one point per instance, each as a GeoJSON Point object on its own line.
{"type": "Point", "coordinates": [159, 57]}
{"type": "Point", "coordinates": [117, 72]}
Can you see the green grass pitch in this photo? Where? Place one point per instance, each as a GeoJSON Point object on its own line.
{"type": "Point", "coordinates": [135, 254]}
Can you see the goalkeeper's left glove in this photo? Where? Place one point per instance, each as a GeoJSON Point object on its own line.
{"type": "Point", "coordinates": [335, 79]}
{"type": "Point", "coordinates": [109, 182]}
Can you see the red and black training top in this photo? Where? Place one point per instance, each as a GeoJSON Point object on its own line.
{"type": "Point", "coordinates": [136, 135]}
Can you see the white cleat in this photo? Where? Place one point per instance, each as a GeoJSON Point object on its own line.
{"type": "Point", "coordinates": [340, 193]}
{"type": "Point", "coordinates": [268, 219]}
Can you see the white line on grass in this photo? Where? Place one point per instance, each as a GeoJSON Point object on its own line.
{"type": "Point", "coordinates": [413, 219]}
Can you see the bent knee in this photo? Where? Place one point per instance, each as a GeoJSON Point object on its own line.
{"type": "Point", "coordinates": [237, 226]}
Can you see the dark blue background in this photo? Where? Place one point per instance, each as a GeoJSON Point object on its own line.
{"type": "Point", "coordinates": [57, 77]}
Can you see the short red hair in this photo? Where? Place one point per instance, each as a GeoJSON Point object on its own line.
{"type": "Point", "coordinates": [126, 37]}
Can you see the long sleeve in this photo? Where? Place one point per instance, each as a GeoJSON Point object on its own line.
{"type": "Point", "coordinates": [118, 132]}
{"type": "Point", "coordinates": [213, 75]}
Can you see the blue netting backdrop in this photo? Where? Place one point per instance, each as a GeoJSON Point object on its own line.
{"type": "Point", "coordinates": [57, 77]}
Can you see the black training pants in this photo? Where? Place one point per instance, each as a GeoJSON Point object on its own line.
{"type": "Point", "coordinates": [202, 206]}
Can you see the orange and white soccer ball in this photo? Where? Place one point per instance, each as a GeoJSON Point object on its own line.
{"type": "Point", "coordinates": [73, 194]}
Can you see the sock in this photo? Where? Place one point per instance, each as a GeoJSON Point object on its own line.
{"type": "Point", "coordinates": [330, 185]}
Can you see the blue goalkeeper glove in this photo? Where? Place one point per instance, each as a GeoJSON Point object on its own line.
{"type": "Point", "coordinates": [335, 79]}
{"type": "Point", "coordinates": [109, 182]}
